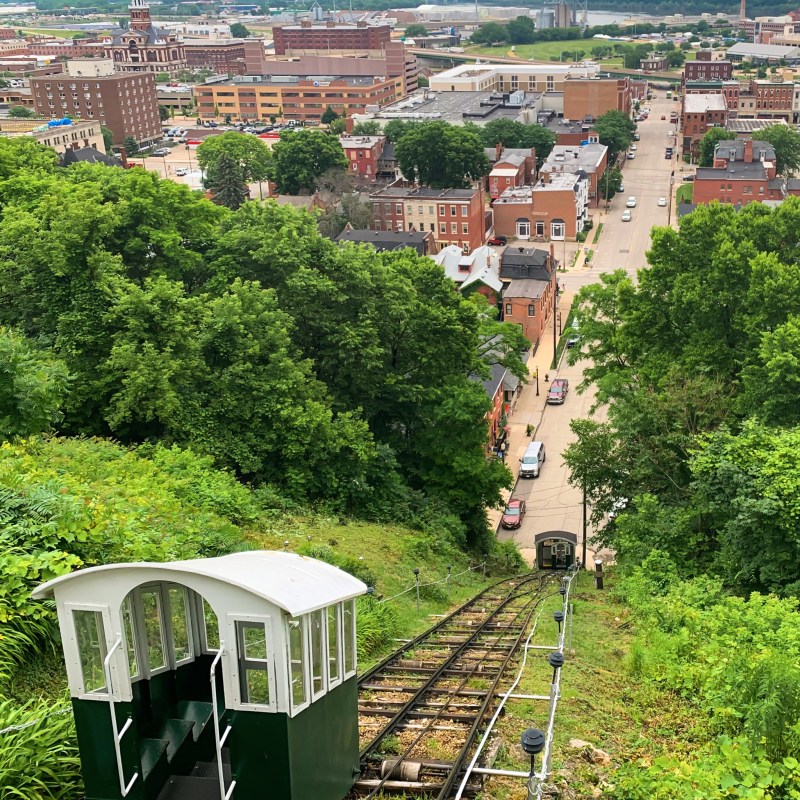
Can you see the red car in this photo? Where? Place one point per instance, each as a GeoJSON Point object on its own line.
{"type": "Point", "coordinates": [514, 514]}
{"type": "Point", "coordinates": [498, 241]}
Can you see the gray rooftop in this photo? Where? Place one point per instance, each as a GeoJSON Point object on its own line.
{"type": "Point", "coordinates": [763, 50]}
{"type": "Point", "coordinates": [570, 158]}
{"type": "Point", "coordinates": [746, 125]}
{"type": "Point", "coordinates": [387, 240]}
{"type": "Point", "coordinates": [455, 107]}
{"type": "Point", "coordinates": [415, 192]}
{"type": "Point", "coordinates": [702, 103]}
{"type": "Point", "coordinates": [524, 263]}
{"type": "Point", "coordinates": [736, 171]}
{"type": "Point", "coordinates": [734, 149]}
{"type": "Point", "coordinates": [525, 287]}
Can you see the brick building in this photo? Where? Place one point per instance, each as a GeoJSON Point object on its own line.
{"type": "Point", "coordinates": [744, 171]}
{"type": "Point", "coordinates": [528, 296]}
{"type": "Point", "coordinates": [730, 90]}
{"type": "Point", "coordinates": [592, 97]}
{"type": "Point", "coordinates": [74, 135]}
{"type": "Point", "coordinates": [510, 167]}
{"type": "Point", "coordinates": [767, 99]}
{"type": "Point", "coordinates": [223, 56]}
{"type": "Point", "coordinates": [701, 112]}
{"type": "Point", "coordinates": [310, 38]}
{"type": "Point", "coordinates": [293, 97]}
{"type": "Point", "coordinates": [590, 159]}
{"type": "Point", "coordinates": [126, 104]}
{"type": "Point", "coordinates": [555, 210]}
{"type": "Point", "coordinates": [363, 153]}
{"type": "Point", "coordinates": [145, 48]}
{"type": "Point", "coordinates": [454, 216]}
{"type": "Point", "coordinates": [654, 63]}
{"type": "Point", "coordinates": [707, 70]}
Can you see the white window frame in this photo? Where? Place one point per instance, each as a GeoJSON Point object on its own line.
{"type": "Point", "coordinates": [337, 612]}
{"type": "Point", "coordinates": [352, 672]}
{"type": "Point", "coordinates": [139, 627]}
{"type": "Point", "coordinates": [523, 229]}
{"type": "Point", "coordinates": [232, 654]}
{"type": "Point", "coordinates": [73, 658]}
{"type": "Point", "coordinates": [292, 708]}
{"type": "Point", "coordinates": [188, 607]}
{"type": "Point", "coordinates": [324, 654]}
{"type": "Point", "coordinates": [561, 234]}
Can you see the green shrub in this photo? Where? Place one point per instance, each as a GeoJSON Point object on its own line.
{"type": "Point", "coordinates": [41, 760]}
{"type": "Point", "coordinates": [580, 236]}
{"type": "Point", "coordinates": [378, 625]}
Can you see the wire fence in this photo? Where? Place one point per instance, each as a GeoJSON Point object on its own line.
{"type": "Point", "coordinates": [446, 579]}
{"type": "Point", "coordinates": [31, 723]}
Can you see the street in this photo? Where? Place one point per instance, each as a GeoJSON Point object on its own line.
{"type": "Point", "coordinates": [552, 504]}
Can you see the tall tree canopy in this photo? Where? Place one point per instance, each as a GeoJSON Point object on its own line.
{"type": "Point", "coordinates": [517, 134]}
{"type": "Point", "coordinates": [615, 129]}
{"type": "Point", "coordinates": [249, 153]}
{"type": "Point", "coordinates": [300, 157]}
{"type": "Point", "coordinates": [441, 156]}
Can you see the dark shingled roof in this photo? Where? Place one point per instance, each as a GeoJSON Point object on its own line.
{"type": "Point", "coordinates": [523, 263]}
{"type": "Point", "coordinates": [387, 240]}
{"type": "Point", "coordinates": [88, 155]}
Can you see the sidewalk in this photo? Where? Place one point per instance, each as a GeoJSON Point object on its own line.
{"type": "Point", "coordinates": [529, 408]}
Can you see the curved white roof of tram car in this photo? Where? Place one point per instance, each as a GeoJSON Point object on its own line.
{"type": "Point", "coordinates": [295, 583]}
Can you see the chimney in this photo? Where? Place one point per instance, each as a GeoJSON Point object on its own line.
{"type": "Point", "coordinates": [743, 10]}
{"type": "Point", "coordinates": [498, 151]}
{"type": "Point", "coordinates": [748, 151]}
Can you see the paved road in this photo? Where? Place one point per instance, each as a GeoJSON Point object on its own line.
{"type": "Point", "coordinates": [552, 503]}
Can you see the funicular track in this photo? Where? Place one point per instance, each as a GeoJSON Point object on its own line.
{"type": "Point", "coordinates": [422, 708]}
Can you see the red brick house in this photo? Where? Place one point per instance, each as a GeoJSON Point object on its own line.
{"type": "Point", "coordinates": [510, 167]}
{"type": "Point", "coordinates": [701, 112]}
{"type": "Point", "coordinates": [363, 153]}
{"type": "Point", "coordinates": [454, 216]}
{"type": "Point", "coordinates": [743, 172]}
{"type": "Point", "coordinates": [530, 275]}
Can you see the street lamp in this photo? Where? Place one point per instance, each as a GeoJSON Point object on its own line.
{"type": "Point", "coordinates": [537, 381]}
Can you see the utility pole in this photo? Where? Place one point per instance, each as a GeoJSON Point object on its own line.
{"type": "Point", "coordinates": [555, 311]}
{"type": "Point", "coordinates": [583, 557]}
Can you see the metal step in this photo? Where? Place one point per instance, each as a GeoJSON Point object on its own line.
{"type": "Point", "coordinates": [189, 787]}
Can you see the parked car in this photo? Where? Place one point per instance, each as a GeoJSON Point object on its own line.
{"type": "Point", "coordinates": [621, 188]}
{"type": "Point", "coordinates": [688, 177]}
{"type": "Point", "coordinates": [633, 147]}
{"type": "Point", "coordinates": [498, 241]}
{"type": "Point", "coordinates": [162, 151]}
{"type": "Point", "coordinates": [558, 391]}
{"type": "Point", "coordinates": [514, 514]}
{"type": "Point", "coordinates": [575, 338]}
{"type": "Point", "coordinates": [627, 216]}
{"type": "Point", "coordinates": [631, 202]}
{"type": "Point", "coordinates": [662, 202]}
{"type": "Point", "coordinates": [631, 156]}
{"type": "Point", "coordinates": [181, 171]}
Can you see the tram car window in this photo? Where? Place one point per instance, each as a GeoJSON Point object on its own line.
{"type": "Point", "coordinates": [222, 677]}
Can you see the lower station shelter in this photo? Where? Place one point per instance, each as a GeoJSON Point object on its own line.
{"type": "Point", "coordinates": [230, 677]}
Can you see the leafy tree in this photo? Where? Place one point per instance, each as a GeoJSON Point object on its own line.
{"type": "Point", "coordinates": [786, 142]}
{"type": "Point", "coordinates": [227, 183]}
{"type": "Point", "coordinates": [21, 112]}
{"type": "Point", "coordinates": [423, 81]}
{"type": "Point", "coordinates": [249, 153]}
{"type": "Point", "coordinates": [32, 387]}
{"type": "Point", "coordinates": [395, 129]}
{"type": "Point", "coordinates": [23, 158]}
{"type": "Point", "coordinates": [517, 134]}
{"type": "Point", "coordinates": [521, 30]}
{"type": "Point", "coordinates": [163, 113]}
{"type": "Point", "coordinates": [368, 127]}
{"type": "Point", "coordinates": [414, 30]}
{"type": "Point", "coordinates": [675, 58]}
{"type": "Point", "coordinates": [240, 31]}
{"type": "Point", "coordinates": [328, 116]}
{"type": "Point", "coordinates": [615, 129]}
{"type": "Point", "coordinates": [610, 183]}
{"type": "Point", "coordinates": [491, 33]}
{"type": "Point", "coordinates": [131, 145]}
{"type": "Point", "coordinates": [441, 156]}
{"type": "Point", "coordinates": [299, 157]}
{"type": "Point", "coordinates": [708, 145]}
{"type": "Point", "coordinates": [108, 138]}
{"type": "Point", "coordinates": [338, 126]}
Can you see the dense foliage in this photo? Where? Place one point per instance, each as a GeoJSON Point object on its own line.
{"type": "Point", "coordinates": [328, 373]}
{"type": "Point", "coordinates": [698, 365]}
{"type": "Point", "coordinates": [734, 662]}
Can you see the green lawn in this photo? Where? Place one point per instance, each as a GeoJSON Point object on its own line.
{"type": "Point", "coordinates": [62, 33]}
{"type": "Point", "coordinates": [684, 194]}
{"type": "Point", "coordinates": [541, 51]}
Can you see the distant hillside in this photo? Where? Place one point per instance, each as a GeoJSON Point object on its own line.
{"type": "Point", "coordinates": [657, 7]}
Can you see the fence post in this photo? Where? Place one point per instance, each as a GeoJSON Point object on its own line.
{"type": "Point", "coordinates": [416, 577]}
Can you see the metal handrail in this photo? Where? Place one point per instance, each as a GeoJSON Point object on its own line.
{"type": "Point", "coordinates": [219, 740]}
{"type": "Point", "coordinates": [118, 734]}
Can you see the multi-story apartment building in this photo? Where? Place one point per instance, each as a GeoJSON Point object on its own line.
{"type": "Point", "coordinates": [766, 99]}
{"type": "Point", "coordinates": [556, 209]}
{"type": "Point", "coordinates": [224, 56]}
{"type": "Point", "coordinates": [701, 112]}
{"type": "Point", "coordinates": [593, 96]}
{"type": "Point", "coordinates": [707, 71]}
{"type": "Point", "coordinates": [510, 167]}
{"type": "Point", "coordinates": [363, 153]}
{"type": "Point", "coordinates": [510, 77]}
{"type": "Point", "coordinates": [61, 136]}
{"type": "Point", "coordinates": [294, 97]}
{"type": "Point", "coordinates": [126, 104]}
{"type": "Point", "coordinates": [315, 38]}
{"type": "Point", "coordinates": [730, 90]}
{"type": "Point", "coordinates": [454, 216]}
{"type": "Point", "coordinates": [591, 159]}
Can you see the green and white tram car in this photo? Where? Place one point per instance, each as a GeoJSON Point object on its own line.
{"type": "Point", "coordinates": [230, 678]}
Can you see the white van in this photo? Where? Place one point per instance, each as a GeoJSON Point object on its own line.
{"type": "Point", "coordinates": [532, 461]}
